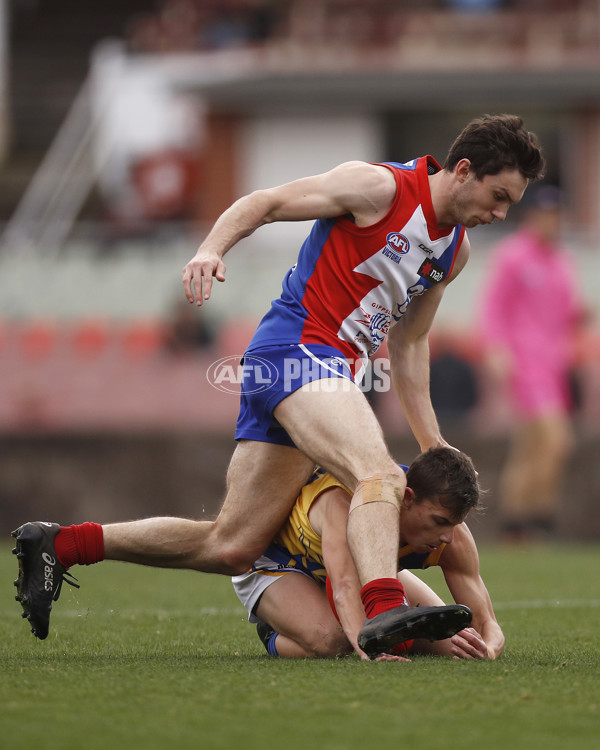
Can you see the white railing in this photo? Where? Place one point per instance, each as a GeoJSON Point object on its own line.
{"type": "Point", "coordinates": [60, 186]}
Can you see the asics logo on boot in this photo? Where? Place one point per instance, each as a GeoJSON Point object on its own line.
{"type": "Point", "coordinates": [48, 571]}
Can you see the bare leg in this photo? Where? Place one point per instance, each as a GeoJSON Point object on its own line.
{"type": "Point", "coordinates": [515, 480]}
{"type": "Point", "coordinates": [554, 445]}
{"type": "Point", "coordinates": [297, 608]}
{"type": "Point", "coordinates": [530, 483]}
{"type": "Point", "coordinates": [337, 428]}
{"type": "Point", "coordinates": [263, 482]}
{"type": "Point", "coordinates": [374, 538]}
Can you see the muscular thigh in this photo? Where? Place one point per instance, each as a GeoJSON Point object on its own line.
{"type": "Point", "coordinates": [263, 482]}
{"type": "Point", "coordinates": [331, 422]}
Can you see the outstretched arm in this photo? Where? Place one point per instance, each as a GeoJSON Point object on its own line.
{"type": "Point", "coordinates": [365, 191]}
{"type": "Point", "coordinates": [460, 565]}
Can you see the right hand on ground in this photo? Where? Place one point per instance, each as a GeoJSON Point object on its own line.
{"type": "Point", "coordinates": [468, 644]}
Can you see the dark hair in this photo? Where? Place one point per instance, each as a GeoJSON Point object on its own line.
{"type": "Point", "coordinates": [496, 142]}
{"type": "Point", "coordinates": [447, 475]}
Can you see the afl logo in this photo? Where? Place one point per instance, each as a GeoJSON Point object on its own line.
{"type": "Point", "coordinates": [397, 246]}
{"type": "Point", "coordinates": [229, 373]}
{"type": "Point", "coordinates": [397, 242]}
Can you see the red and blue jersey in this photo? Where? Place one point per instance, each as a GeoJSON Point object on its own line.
{"type": "Point", "coordinates": [351, 284]}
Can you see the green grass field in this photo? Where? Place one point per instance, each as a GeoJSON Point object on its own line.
{"type": "Point", "coordinates": [144, 658]}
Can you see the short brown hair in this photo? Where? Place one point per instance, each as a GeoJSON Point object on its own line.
{"type": "Point", "coordinates": [496, 142]}
{"type": "Point", "coordinates": [446, 475]}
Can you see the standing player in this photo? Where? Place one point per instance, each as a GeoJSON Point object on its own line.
{"type": "Point", "coordinates": [531, 311]}
{"type": "Point", "coordinates": [284, 591]}
{"type": "Point", "coordinates": [387, 241]}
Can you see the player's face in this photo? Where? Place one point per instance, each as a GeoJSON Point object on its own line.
{"type": "Point", "coordinates": [426, 525]}
{"type": "Point", "coordinates": [484, 201]}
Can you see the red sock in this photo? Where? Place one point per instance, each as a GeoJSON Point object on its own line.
{"type": "Point", "coordinates": [401, 648]}
{"type": "Point", "coordinates": [382, 594]}
{"type": "Point", "coordinates": [80, 545]}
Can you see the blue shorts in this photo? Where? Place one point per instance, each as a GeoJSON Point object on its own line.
{"type": "Point", "coordinates": [270, 374]}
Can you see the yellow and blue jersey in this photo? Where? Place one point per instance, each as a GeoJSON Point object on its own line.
{"type": "Point", "coordinates": [297, 544]}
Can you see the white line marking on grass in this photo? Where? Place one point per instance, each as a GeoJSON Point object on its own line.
{"type": "Point", "coordinates": [160, 613]}
{"type": "Point", "coordinates": [549, 604]}
{"type": "Point", "coordinates": [131, 612]}
{"type": "Point", "coordinates": [239, 612]}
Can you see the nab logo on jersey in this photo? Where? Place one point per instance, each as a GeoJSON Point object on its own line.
{"type": "Point", "coordinates": [432, 271]}
{"type": "Point", "coordinates": [396, 246]}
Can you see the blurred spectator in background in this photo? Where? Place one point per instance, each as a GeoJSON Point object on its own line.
{"type": "Point", "coordinates": [207, 25]}
{"type": "Point", "coordinates": [452, 383]}
{"type": "Point", "coordinates": [187, 331]}
{"type": "Point", "coordinates": [217, 25]}
{"type": "Point", "coordinates": [530, 315]}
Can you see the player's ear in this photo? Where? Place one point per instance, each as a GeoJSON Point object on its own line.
{"type": "Point", "coordinates": [409, 498]}
{"type": "Point", "coordinates": [463, 169]}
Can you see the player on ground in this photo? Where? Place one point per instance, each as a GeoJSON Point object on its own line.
{"type": "Point", "coordinates": [284, 591]}
{"type": "Point", "coordinates": [387, 240]}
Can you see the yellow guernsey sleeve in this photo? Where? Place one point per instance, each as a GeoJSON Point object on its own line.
{"type": "Point", "coordinates": [297, 535]}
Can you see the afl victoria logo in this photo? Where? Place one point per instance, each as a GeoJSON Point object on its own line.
{"type": "Point", "coordinates": [397, 242]}
{"type": "Point", "coordinates": [229, 373]}
{"type": "Point", "coordinates": [396, 246]}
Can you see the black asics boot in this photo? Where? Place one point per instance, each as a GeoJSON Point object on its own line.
{"type": "Point", "coordinates": [380, 634]}
{"type": "Point", "coordinates": [41, 575]}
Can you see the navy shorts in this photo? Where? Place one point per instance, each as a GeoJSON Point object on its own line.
{"type": "Point", "coordinates": [270, 374]}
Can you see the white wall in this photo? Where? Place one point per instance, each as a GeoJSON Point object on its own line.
{"type": "Point", "coordinates": [138, 111]}
{"type": "Point", "coordinates": [280, 148]}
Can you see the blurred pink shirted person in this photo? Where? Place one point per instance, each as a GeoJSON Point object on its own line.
{"type": "Point", "coordinates": [531, 310]}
